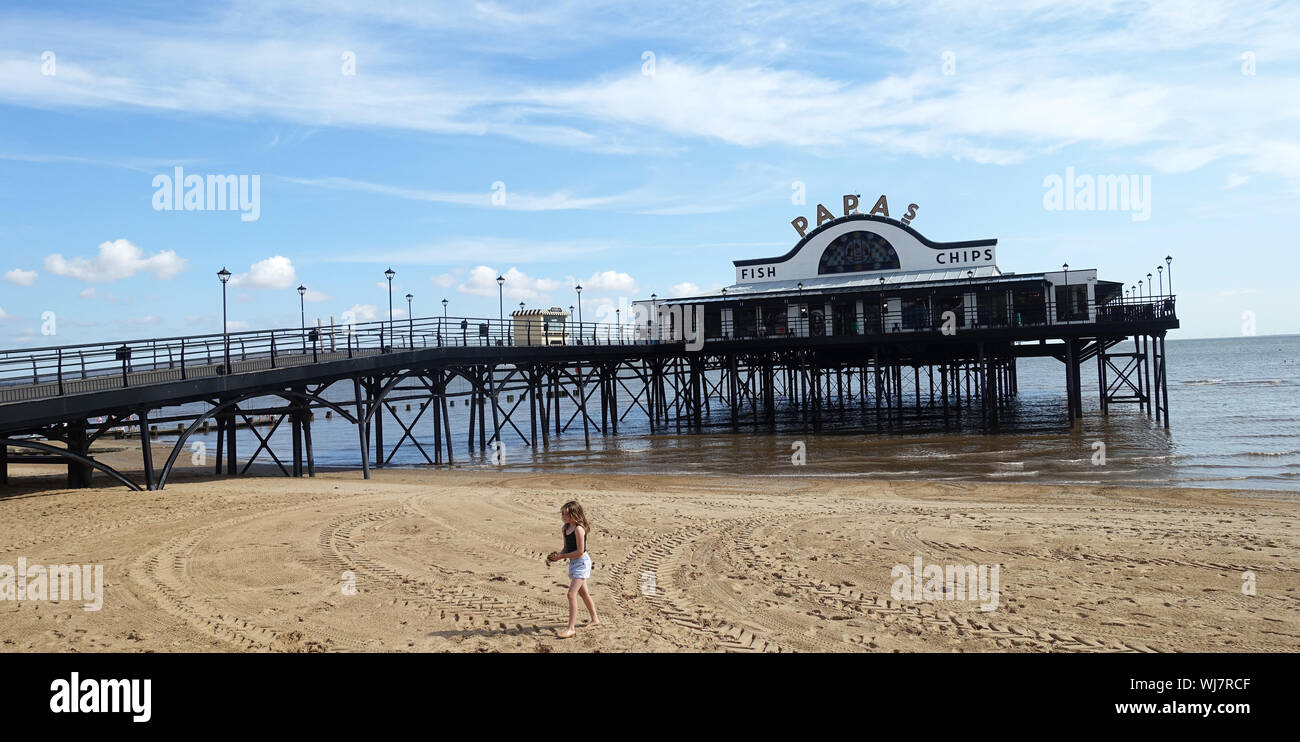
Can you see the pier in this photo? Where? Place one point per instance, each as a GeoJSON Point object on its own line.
{"type": "Point", "coordinates": [849, 317]}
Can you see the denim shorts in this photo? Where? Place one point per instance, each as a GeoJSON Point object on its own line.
{"type": "Point", "coordinates": [580, 568]}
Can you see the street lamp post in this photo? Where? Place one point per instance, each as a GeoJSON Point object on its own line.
{"type": "Point", "coordinates": [410, 323]}
{"type": "Point", "coordinates": [884, 305]}
{"type": "Point", "coordinates": [1160, 278]}
{"type": "Point", "coordinates": [618, 320]}
{"type": "Point", "coordinates": [803, 311]}
{"type": "Point", "coordinates": [1169, 262]}
{"type": "Point", "coordinates": [389, 275]}
{"type": "Point", "coordinates": [443, 326]}
{"type": "Point", "coordinates": [1065, 295]}
{"type": "Point", "coordinates": [725, 333]}
{"type": "Point", "coordinates": [224, 275]}
{"type": "Point", "coordinates": [578, 289]}
{"type": "Point", "coordinates": [302, 315]}
{"type": "Point", "coordinates": [1148, 285]}
{"type": "Point", "coordinates": [501, 313]}
{"type": "Point", "coordinates": [654, 317]}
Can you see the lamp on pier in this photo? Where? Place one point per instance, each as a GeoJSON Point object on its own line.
{"type": "Point", "coordinates": [224, 275]}
{"type": "Point", "coordinates": [302, 315]}
{"type": "Point", "coordinates": [410, 323]}
{"type": "Point", "coordinates": [389, 275]}
{"type": "Point", "coordinates": [501, 284]}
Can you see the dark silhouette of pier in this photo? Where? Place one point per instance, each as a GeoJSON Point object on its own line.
{"type": "Point", "coordinates": [55, 402]}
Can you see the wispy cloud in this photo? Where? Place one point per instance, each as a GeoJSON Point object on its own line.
{"type": "Point", "coordinates": [501, 198]}
{"type": "Point", "coordinates": [1159, 76]}
{"type": "Point", "coordinates": [455, 251]}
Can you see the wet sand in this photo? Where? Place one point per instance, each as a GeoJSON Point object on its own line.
{"type": "Point", "coordinates": [453, 561]}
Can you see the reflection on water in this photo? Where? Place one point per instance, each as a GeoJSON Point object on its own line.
{"type": "Point", "coordinates": [1235, 424]}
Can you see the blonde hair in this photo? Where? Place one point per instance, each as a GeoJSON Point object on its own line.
{"type": "Point", "coordinates": [573, 509]}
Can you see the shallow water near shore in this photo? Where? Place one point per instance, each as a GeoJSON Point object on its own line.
{"type": "Point", "coordinates": [1235, 423]}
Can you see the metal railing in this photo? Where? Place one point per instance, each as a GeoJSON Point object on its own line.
{"type": "Point", "coordinates": [931, 318]}
{"type": "Point", "coordinates": [39, 373]}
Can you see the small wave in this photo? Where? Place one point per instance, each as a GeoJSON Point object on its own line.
{"type": "Point", "coordinates": [1015, 465]}
{"type": "Point", "coordinates": [1002, 474]}
{"type": "Point", "coordinates": [1167, 457]}
{"type": "Point", "coordinates": [1270, 453]}
{"type": "Point", "coordinates": [927, 455]}
{"type": "Point", "coordinates": [1236, 382]}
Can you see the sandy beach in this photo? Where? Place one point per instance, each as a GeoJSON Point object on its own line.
{"type": "Point", "coordinates": [453, 561]}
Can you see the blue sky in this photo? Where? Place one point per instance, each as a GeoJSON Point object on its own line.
{"type": "Point", "coordinates": [640, 147]}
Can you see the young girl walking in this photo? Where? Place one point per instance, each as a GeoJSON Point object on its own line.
{"type": "Point", "coordinates": [576, 530]}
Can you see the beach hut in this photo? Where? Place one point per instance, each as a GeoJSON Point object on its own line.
{"type": "Point", "coordinates": [540, 326]}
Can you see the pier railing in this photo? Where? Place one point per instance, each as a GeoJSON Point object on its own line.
{"type": "Point", "coordinates": [39, 373]}
{"type": "Point", "coordinates": [918, 316]}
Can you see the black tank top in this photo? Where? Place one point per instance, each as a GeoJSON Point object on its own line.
{"type": "Point", "coordinates": [571, 541]}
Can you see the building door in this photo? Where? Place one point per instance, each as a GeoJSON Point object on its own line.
{"type": "Point", "coordinates": [844, 320]}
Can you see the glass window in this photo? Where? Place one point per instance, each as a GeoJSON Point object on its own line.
{"type": "Point", "coordinates": [1071, 303]}
{"type": "Point", "coordinates": [858, 251]}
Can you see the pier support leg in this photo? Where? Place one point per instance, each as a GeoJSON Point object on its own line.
{"type": "Point", "coordinates": [363, 429]}
{"type": "Point", "coordinates": [78, 473]}
{"type": "Point", "coordinates": [378, 423]}
{"type": "Point", "coordinates": [146, 449]}
{"type": "Point", "coordinates": [231, 448]}
{"type": "Point", "coordinates": [1069, 378]}
{"type": "Point", "coordinates": [1164, 378]}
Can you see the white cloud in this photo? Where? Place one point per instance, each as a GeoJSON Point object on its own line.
{"type": "Point", "coordinates": [360, 313]}
{"type": "Point", "coordinates": [443, 281]}
{"type": "Point", "coordinates": [453, 251]}
{"type": "Point", "coordinates": [685, 289]}
{"type": "Point", "coordinates": [116, 260]}
{"type": "Point", "coordinates": [1031, 75]}
{"type": "Point", "coordinates": [482, 281]}
{"type": "Point", "coordinates": [314, 296]}
{"type": "Point", "coordinates": [512, 201]}
{"type": "Point", "coordinates": [3, 314]}
{"type": "Point", "coordinates": [21, 277]}
{"type": "Point", "coordinates": [1236, 179]}
{"type": "Point", "coordinates": [236, 325]}
{"type": "Point", "coordinates": [275, 272]}
{"type": "Point", "coordinates": [87, 293]}
{"type": "Point", "coordinates": [612, 281]}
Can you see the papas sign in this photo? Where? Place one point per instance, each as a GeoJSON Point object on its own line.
{"type": "Point", "coordinates": [824, 215]}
